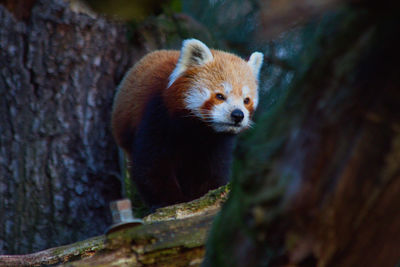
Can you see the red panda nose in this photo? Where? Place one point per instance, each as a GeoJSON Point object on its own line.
{"type": "Point", "coordinates": [237, 115]}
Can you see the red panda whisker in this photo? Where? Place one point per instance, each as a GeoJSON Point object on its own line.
{"type": "Point", "coordinates": [251, 124]}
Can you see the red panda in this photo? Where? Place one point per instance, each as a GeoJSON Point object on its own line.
{"type": "Point", "coordinates": [175, 115]}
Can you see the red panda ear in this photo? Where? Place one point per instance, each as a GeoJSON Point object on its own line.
{"type": "Point", "coordinates": [255, 63]}
{"type": "Point", "coordinates": [193, 53]}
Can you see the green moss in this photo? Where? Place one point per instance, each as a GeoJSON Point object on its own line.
{"type": "Point", "coordinates": [213, 199]}
{"type": "Point", "coordinates": [186, 233]}
{"type": "Point", "coordinates": [174, 257]}
{"type": "Point", "coordinates": [78, 250]}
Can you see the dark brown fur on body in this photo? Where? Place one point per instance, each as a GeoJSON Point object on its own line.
{"type": "Point", "coordinates": [177, 159]}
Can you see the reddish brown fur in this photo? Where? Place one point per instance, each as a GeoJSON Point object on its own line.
{"type": "Point", "coordinates": [150, 76]}
{"type": "Point", "coordinates": [209, 104]}
{"type": "Point", "coordinates": [143, 80]}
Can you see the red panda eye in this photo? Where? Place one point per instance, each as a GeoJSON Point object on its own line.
{"type": "Point", "coordinates": [220, 96]}
{"type": "Point", "coordinates": [246, 101]}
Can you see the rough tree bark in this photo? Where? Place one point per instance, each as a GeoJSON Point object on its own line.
{"type": "Point", "coordinates": [58, 163]}
{"type": "Point", "coordinates": [322, 183]}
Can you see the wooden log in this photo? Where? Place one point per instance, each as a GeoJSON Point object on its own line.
{"type": "Point", "coordinates": [172, 236]}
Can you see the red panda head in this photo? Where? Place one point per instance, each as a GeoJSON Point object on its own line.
{"type": "Point", "coordinates": [219, 88]}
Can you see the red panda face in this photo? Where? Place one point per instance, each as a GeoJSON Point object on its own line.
{"type": "Point", "coordinates": [224, 105]}
{"type": "Point", "coordinates": [219, 88]}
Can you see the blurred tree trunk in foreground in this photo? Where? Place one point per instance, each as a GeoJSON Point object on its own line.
{"type": "Point", "coordinates": [58, 163]}
{"type": "Point", "coordinates": [321, 185]}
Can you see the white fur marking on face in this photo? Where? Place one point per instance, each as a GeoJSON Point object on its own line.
{"type": "Point", "coordinates": [221, 116]}
{"type": "Point", "coordinates": [195, 98]}
{"type": "Point", "coordinates": [227, 87]}
{"type": "Point", "coordinates": [245, 91]}
{"type": "Point", "coordinates": [255, 101]}
{"type": "Point", "coordinates": [193, 53]}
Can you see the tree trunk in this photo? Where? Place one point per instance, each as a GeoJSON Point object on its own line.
{"type": "Point", "coordinates": [325, 190]}
{"type": "Point", "coordinates": [58, 162]}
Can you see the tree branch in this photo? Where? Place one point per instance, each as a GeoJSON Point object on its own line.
{"type": "Point", "coordinates": [172, 235]}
